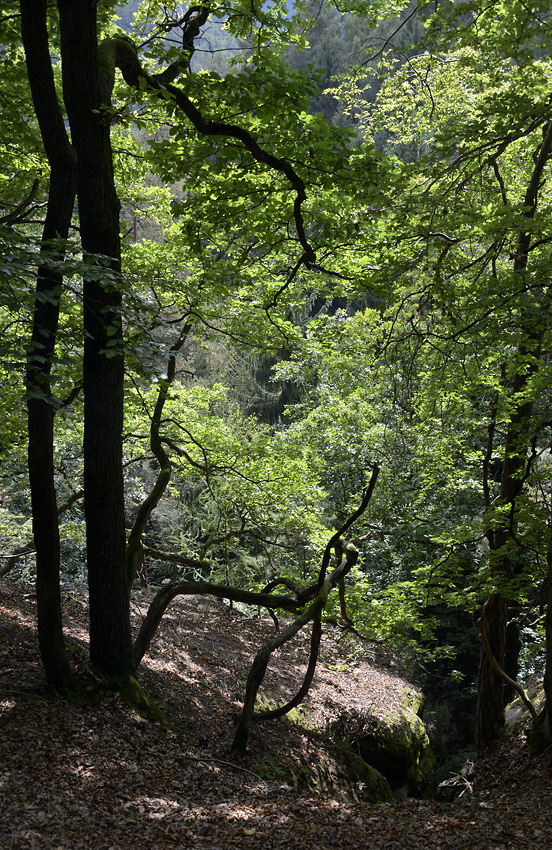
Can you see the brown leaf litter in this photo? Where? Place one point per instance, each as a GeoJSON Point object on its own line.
{"type": "Point", "coordinates": [103, 778]}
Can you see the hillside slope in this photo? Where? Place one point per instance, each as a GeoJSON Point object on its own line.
{"type": "Point", "coordinates": [102, 778]}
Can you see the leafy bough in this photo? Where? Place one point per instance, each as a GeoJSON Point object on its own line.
{"type": "Point", "coordinates": [349, 556]}
{"type": "Point", "coordinates": [120, 52]}
{"type": "Point", "coordinates": [317, 594]}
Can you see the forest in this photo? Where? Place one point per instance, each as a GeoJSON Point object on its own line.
{"type": "Point", "coordinates": [275, 317]}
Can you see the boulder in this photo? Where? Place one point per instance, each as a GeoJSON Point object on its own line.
{"type": "Point", "coordinates": [373, 786]}
{"type": "Point", "coordinates": [397, 746]}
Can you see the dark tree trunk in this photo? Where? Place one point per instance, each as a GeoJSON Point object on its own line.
{"type": "Point", "coordinates": [39, 363]}
{"type": "Point", "coordinates": [87, 101]}
{"type": "Point", "coordinates": [541, 732]}
{"type": "Point", "coordinates": [490, 687]}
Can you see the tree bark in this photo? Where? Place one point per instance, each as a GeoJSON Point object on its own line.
{"type": "Point", "coordinates": [40, 404]}
{"type": "Point", "coordinates": [490, 696]}
{"type": "Point", "coordinates": [87, 99]}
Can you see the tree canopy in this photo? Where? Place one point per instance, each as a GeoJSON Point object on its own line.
{"type": "Point", "coordinates": [265, 311]}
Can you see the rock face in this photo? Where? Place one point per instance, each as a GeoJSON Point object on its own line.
{"type": "Point", "coordinates": [397, 747]}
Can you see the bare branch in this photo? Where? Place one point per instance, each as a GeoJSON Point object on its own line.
{"type": "Point", "coordinates": [500, 672]}
{"type": "Point", "coordinates": [161, 601]}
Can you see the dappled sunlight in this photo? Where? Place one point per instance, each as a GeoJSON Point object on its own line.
{"type": "Point", "coordinates": [102, 777]}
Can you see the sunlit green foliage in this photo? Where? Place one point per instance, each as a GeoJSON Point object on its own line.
{"type": "Point", "coordinates": [421, 212]}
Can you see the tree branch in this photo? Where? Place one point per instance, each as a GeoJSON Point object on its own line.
{"type": "Point", "coordinates": [120, 52]}
{"type": "Point", "coordinates": [500, 672]}
{"type": "Point", "coordinates": [23, 208]}
{"type": "Point", "coordinates": [313, 612]}
{"type": "Point", "coordinates": [135, 548]}
{"type": "Point", "coordinates": [161, 601]}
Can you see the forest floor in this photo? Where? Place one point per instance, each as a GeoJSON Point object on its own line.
{"type": "Point", "coordinates": [103, 778]}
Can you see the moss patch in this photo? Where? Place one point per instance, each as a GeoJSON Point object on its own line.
{"type": "Point", "coordinates": [132, 693]}
{"type": "Point", "coordinates": [266, 701]}
{"type": "Point", "coordinates": [374, 786]}
{"type": "Point", "coordinates": [323, 767]}
{"type": "Point", "coordinates": [400, 750]}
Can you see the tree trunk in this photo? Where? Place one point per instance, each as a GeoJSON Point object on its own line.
{"type": "Point", "coordinates": [491, 695]}
{"type": "Point", "coordinates": [39, 362]}
{"type": "Point", "coordinates": [490, 687]}
{"type": "Point", "coordinates": [87, 98]}
{"type": "Point", "coordinates": [541, 731]}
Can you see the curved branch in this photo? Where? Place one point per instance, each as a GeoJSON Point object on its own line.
{"type": "Point", "coordinates": [12, 559]}
{"type": "Point", "coordinates": [313, 612]}
{"type": "Point", "coordinates": [260, 663]}
{"type": "Point", "coordinates": [23, 208]}
{"type": "Point", "coordinates": [161, 601]}
{"type": "Point", "coordinates": [337, 577]}
{"type": "Point", "coordinates": [121, 52]}
{"type": "Point", "coordinates": [351, 557]}
{"type": "Point", "coordinates": [316, 636]}
{"type": "Point", "coordinates": [500, 672]}
{"type": "Point", "coordinates": [334, 540]}
{"type": "Point", "coordinates": [343, 604]}
{"type": "Point", "coordinates": [304, 593]}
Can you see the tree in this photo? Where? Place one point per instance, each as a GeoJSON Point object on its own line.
{"type": "Point", "coordinates": [247, 173]}
{"type": "Point", "coordinates": [469, 244]}
{"type": "Point", "coordinates": [62, 162]}
{"type": "Point", "coordinates": [87, 97]}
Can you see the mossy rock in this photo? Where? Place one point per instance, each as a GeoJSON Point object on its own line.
{"type": "Point", "coordinates": [398, 748]}
{"type": "Point", "coordinates": [336, 769]}
{"type": "Point", "coordinates": [374, 786]}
